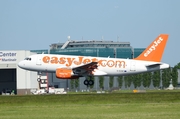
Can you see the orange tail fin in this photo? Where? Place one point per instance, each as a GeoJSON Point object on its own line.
{"type": "Point", "coordinates": [155, 50]}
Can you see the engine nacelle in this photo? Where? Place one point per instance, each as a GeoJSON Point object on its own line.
{"type": "Point", "coordinates": [63, 73]}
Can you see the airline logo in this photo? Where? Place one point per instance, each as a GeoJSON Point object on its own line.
{"type": "Point", "coordinates": [69, 61]}
{"type": "Point", "coordinates": [153, 46]}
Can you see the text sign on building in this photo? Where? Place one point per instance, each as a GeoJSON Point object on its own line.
{"type": "Point", "coordinates": [8, 56]}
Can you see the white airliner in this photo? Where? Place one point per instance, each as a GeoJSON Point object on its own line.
{"type": "Point", "coordinates": [73, 67]}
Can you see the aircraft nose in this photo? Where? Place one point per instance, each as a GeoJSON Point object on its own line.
{"type": "Point", "coordinates": [21, 64]}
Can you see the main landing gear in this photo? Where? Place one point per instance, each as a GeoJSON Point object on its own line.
{"type": "Point", "coordinates": [88, 82]}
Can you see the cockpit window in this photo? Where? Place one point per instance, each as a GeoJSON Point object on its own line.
{"type": "Point", "coordinates": [27, 58]}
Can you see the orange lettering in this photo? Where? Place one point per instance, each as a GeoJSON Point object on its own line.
{"type": "Point", "coordinates": [86, 61]}
{"type": "Point", "coordinates": [103, 63]}
{"type": "Point", "coordinates": [46, 59]}
{"type": "Point", "coordinates": [78, 62]}
{"type": "Point", "coordinates": [70, 60]}
{"type": "Point", "coordinates": [62, 60]}
{"type": "Point", "coordinates": [54, 60]}
{"type": "Point", "coordinates": [100, 62]}
{"type": "Point", "coordinates": [121, 63]}
{"type": "Point", "coordinates": [109, 63]}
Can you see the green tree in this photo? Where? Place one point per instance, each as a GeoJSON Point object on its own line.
{"type": "Point", "coordinates": [139, 80]}
{"type": "Point", "coordinates": [149, 79]}
{"type": "Point", "coordinates": [128, 81]}
{"type": "Point", "coordinates": [178, 66]}
{"type": "Point", "coordinates": [101, 82]}
{"type": "Point", "coordinates": [156, 79]}
{"type": "Point", "coordinates": [175, 76]}
{"type": "Point", "coordinates": [92, 78]}
{"type": "Point", "coordinates": [146, 79]}
{"type": "Point", "coordinates": [166, 77]}
{"type": "Point", "coordinates": [111, 78]}
{"type": "Point", "coordinates": [136, 79]}
{"type": "Point", "coordinates": [76, 83]}
{"type": "Point", "coordinates": [130, 77]}
{"type": "Point", "coordinates": [72, 83]}
{"type": "Point", "coordinates": [120, 81]}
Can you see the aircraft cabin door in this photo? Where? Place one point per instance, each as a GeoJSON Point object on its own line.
{"type": "Point", "coordinates": [38, 61]}
{"type": "Point", "coordinates": [133, 66]}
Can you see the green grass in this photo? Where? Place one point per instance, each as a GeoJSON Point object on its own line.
{"type": "Point", "coordinates": [158, 104]}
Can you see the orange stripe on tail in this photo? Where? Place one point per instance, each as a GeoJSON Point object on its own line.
{"type": "Point", "coordinates": [155, 50]}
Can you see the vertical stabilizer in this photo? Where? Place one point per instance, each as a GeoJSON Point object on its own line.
{"type": "Point", "coordinates": [155, 50]}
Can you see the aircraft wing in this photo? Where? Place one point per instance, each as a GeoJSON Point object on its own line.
{"type": "Point", "coordinates": [86, 68]}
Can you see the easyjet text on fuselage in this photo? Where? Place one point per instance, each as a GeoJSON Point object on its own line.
{"type": "Point", "coordinates": [69, 61]}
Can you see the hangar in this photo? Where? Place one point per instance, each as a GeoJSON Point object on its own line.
{"type": "Point", "coordinates": [14, 78]}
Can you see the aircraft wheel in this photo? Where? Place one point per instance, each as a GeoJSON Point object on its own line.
{"type": "Point", "coordinates": [86, 82]}
{"type": "Point", "coordinates": [91, 82]}
{"type": "Point", "coordinates": [39, 80]}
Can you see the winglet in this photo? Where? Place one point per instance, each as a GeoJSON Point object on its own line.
{"type": "Point", "coordinates": [155, 50]}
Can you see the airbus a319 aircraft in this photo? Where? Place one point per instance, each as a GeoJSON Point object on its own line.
{"type": "Point", "coordinates": [73, 67]}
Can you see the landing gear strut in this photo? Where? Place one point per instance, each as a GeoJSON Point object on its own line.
{"type": "Point", "coordinates": [39, 77]}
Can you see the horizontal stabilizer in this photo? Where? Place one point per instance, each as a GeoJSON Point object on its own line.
{"type": "Point", "coordinates": [153, 65]}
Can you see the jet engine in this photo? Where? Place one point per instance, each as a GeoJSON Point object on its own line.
{"type": "Point", "coordinates": [63, 73]}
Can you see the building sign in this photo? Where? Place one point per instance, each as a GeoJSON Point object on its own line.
{"type": "Point", "coordinates": [8, 56]}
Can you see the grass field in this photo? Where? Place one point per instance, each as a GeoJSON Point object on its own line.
{"type": "Point", "coordinates": [161, 105]}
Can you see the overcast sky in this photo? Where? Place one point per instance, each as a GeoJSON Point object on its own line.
{"type": "Point", "coordinates": [35, 24]}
